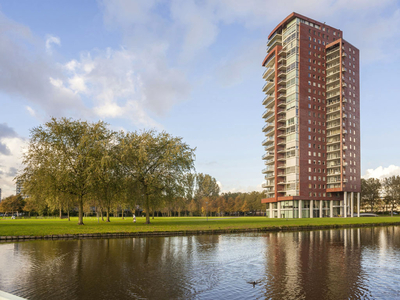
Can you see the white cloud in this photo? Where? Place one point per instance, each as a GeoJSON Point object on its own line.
{"type": "Point", "coordinates": [50, 40]}
{"type": "Point", "coordinates": [26, 72]}
{"type": "Point", "coordinates": [241, 188]}
{"type": "Point", "coordinates": [11, 147]}
{"type": "Point", "coordinates": [31, 111]}
{"type": "Point", "coordinates": [77, 84]}
{"type": "Point", "coordinates": [382, 172]}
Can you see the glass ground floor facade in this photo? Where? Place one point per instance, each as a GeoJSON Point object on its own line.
{"type": "Point", "coordinates": [349, 207]}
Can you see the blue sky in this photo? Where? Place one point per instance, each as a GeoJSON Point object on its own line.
{"type": "Point", "coordinates": [192, 68]}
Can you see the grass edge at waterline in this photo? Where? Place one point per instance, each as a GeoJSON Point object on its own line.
{"type": "Point", "coordinates": [62, 228]}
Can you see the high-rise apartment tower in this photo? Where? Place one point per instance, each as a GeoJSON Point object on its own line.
{"type": "Point", "coordinates": [312, 121]}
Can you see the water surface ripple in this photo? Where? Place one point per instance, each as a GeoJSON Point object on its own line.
{"type": "Point", "coordinates": [327, 264]}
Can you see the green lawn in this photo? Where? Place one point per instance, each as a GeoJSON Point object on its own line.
{"type": "Point", "coordinates": [41, 227]}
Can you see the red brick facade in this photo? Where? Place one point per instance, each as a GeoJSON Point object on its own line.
{"type": "Point", "coordinates": [314, 43]}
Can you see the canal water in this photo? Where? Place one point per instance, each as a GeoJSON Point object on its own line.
{"type": "Point", "coordinates": [327, 264]}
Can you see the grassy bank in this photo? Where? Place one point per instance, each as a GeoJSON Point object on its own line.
{"type": "Point", "coordinates": [46, 227]}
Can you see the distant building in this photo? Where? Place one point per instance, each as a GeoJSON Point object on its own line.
{"type": "Point", "coordinates": [0, 194]}
{"type": "Point", "coordinates": [312, 121]}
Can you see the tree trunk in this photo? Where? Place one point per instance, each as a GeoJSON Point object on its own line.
{"type": "Point", "coordinates": [122, 211]}
{"type": "Point", "coordinates": [80, 219]}
{"type": "Point", "coordinates": [391, 213]}
{"type": "Point", "coordinates": [147, 206]}
{"type": "Point", "coordinates": [68, 215]}
{"type": "Point", "coordinates": [101, 211]}
{"type": "Point", "coordinates": [153, 215]}
{"type": "Point", "coordinates": [60, 213]}
{"type": "Point", "coordinates": [108, 214]}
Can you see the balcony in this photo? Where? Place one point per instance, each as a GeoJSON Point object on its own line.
{"type": "Point", "coordinates": [332, 94]}
{"type": "Point", "coordinates": [281, 81]}
{"type": "Point", "coordinates": [268, 112]}
{"type": "Point", "coordinates": [281, 96]}
{"type": "Point", "coordinates": [267, 155]}
{"type": "Point", "coordinates": [344, 100]}
{"type": "Point", "coordinates": [281, 74]}
{"type": "Point", "coordinates": [281, 111]}
{"type": "Point", "coordinates": [281, 88]}
{"type": "Point", "coordinates": [282, 51]}
{"type": "Point", "coordinates": [281, 126]}
{"type": "Point", "coordinates": [333, 133]}
{"type": "Point", "coordinates": [264, 185]}
{"type": "Point", "coordinates": [281, 157]}
{"type": "Point", "coordinates": [333, 110]}
{"type": "Point", "coordinates": [281, 141]}
{"type": "Point", "coordinates": [268, 141]}
{"type": "Point", "coordinates": [270, 132]}
{"type": "Point", "coordinates": [334, 180]}
{"type": "Point", "coordinates": [332, 102]}
{"type": "Point", "coordinates": [281, 133]}
{"type": "Point", "coordinates": [332, 73]}
{"type": "Point", "coordinates": [281, 149]}
{"type": "Point", "coordinates": [333, 51]}
{"type": "Point", "coordinates": [332, 58]}
{"type": "Point", "coordinates": [332, 80]}
{"type": "Point", "coordinates": [281, 118]}
{"type": "Point", "coordinates": [267, 99]}
{"type": "Point", "coordinates": [333, 174]}
{"type": "Point", "coordinates": [344, 84]}
{"type": "Point", "coordinates": [270, 118]}
{"type": "Point", "coordinates": [268, 85]}
{"type": "Point", "coordinates": [333, 88]}
{"type": "Point", "coordinates": [267, 126]}
{"type": "Point", "coordinates": [282, 67]}
{"type": "Point", "coordinates": [276, 39]}
{"type": "Point", "coordinates": [270, 147]}
{"type": "Point", "coordinates": [270, 161]}
{"type": "Point", "coordinates": [268, 72]}
{"type": "Point", "coordinates": [333, 149]}
{"type": "Point", "coordinates": [267, 170]}
{"type": "Point", "coordinates": [333, 157]}
{"type": "Point", "coordinates": [282, 103]}
{"type": "Point", "coordinates": [333, 125]}
{"type": "Point", "coordinates": [344, 69]}
{"type": "Point", "coordinates": [332, 65]}
{"type": "Point", "coordinates": [271, 90]}
{"type": "Point", "coordinates": [344, 54]}
{"type": "Point", "coordinates": [333, 141]}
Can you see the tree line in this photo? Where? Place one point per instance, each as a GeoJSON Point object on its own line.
{"type": "Point", "coordinates": [380, 195]}
{"type": "Point", "coordinates": [77, 164]}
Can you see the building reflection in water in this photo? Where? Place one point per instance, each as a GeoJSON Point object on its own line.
{"type": "Point", "coordinates": [329, 264]}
